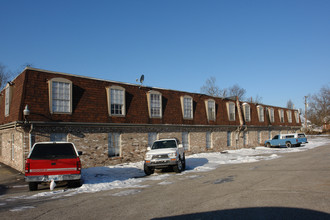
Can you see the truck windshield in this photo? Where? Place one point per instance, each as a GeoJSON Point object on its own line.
{"type": "Point", "coordinates": [53, 151]}
{"type": "Point", "coordinates": [164, 144]}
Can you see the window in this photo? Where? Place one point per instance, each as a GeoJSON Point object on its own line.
{"type": "Point", "coordinates": [8, 95]}
{"type": "Point", "coordinates": [151, 138]}
{"type": "Point", "coordinates": [116, 101]}
{"type": "Point", "coordinates": [187, 107]}
{"type": "Point", "coordinates": [208, 140]}
{"type": "Point", "coordinates": [289, 113]}
{"type": "Point", "coordinates": [271, 115]}
{"type": "Point", "coordinates": [210, 109]}
{"type": "Point", "coordinates": [261, 114]}
{"type": "Point", "coordinates": [60, 93]}
{"type": "Point", "coordinates": [185, 140]}
{"type": "Point", "coordinates": [231, 111]}
{"type": "Point", "coordinates": [12, 147]}
{"type": "Point", "coordinates": [247, 112]}
{"type": "Point", "coordinates": [246, 138]}
{"type": "Point", "coordinates": [114, 145]}
{"type": "Point", "coordinates": [259, 137]}
{"type": "Point", "coordinates": [154, 104]}
{"type": "Point", "coordinates": [296, 114]}
{"type": "Point", "coordinates": [228, 138]}
{"type": "Point", "coordinates": [58, 137]}
{"type": "Point", "coordinates": [281, 113]}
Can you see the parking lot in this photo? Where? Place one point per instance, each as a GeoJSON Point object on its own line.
{"type": "Point", "coordinates": [293, 186]}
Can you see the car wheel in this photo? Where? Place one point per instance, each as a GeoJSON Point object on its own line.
{"type": "Point", "coordinates": [33, 186]}
{"type": "Point", "coordinates": [268, 145]}
{"type": "Point", "coordinates": [147, 170]}
{"type": "Point", "coordinates": [178, 167]}
{"type": "Point", "coordinates": [288, 144]}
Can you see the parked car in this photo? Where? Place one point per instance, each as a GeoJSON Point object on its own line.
{"type": "Point", "coordinates": [53, 161]}
{"type": "Point", "coordinates": [165, 153]}
{"type": "Point", "coordinates": [287, 140]}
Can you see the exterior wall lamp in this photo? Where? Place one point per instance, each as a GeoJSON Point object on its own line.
{"type": "Point", "coordinates": [26, 113]}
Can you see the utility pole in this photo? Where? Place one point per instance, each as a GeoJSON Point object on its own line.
{"type": "Point", "coordinates": [306, 113]}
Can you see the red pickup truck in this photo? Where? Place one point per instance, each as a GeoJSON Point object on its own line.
{"type": "Point", "coordinates": [53, 161]}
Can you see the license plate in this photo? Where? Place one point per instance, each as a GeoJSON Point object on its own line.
{"type": "Point", "coordinates": [53, 177]}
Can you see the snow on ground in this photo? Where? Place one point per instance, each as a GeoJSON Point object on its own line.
{"type": "Point", "coordinates": [132, 178]}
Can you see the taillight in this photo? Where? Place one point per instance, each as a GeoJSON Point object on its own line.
{"type": "Point", "coordinates": [78, 165]}
{"type": "Point", "coordinates": [27, 166]}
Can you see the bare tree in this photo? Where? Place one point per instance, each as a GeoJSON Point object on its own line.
{"type": "Point", "coordinates": [210, 88]}
{"type": "Point", "coordinates": [290, 104]}
{"type": "Point", "coordinates": [256, 99]}
{"type": "Point", "coordinates": [319, 106]}
{"type": "Point", "coordinates": [5, 75]}
{"type": "Point", "coordinates": [236, 90]}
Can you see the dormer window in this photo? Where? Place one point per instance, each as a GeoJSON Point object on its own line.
{"type": "Point", "coordinates": [8, 96]}
{"type": "Point", "coordinates": [247, 112]}
{"type": "Point", "coordinates": [60, 96]}
{"type": "Point", "coordinates": [210, 109]}
{"type": "Point", "coordinates": [281, 114]}
{"type": "Point", "coordinates": [289, 114]}
{"type": "Point", "coordinates": [116, 101]}
{"type": "Point", "coordinates": [154, 104]}
{"type": "Point", "coordinates": [261, 114]}
{"type": "Point", "coordinates": [231, 111]}
{"type": "Point", "coordinates": [296, 114]}
{"type": "Point", "coordinates": [187, 107]}
{"type": "Point", "coordinates": [271, 115]}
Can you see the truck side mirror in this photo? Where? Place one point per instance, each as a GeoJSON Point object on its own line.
{"type": "Point", "coordinates": [180, 146]}
{"type": "Point", "coordinates": [148, 148]}
{"type": "Point", "coordinates": [80, 153]}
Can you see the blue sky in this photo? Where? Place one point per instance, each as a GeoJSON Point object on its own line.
{"type": "Point", "coordinates": [276, 49]}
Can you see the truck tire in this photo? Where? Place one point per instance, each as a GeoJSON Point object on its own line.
{"type": "Point", "coordinates": [178, 167]}
{"type": "Point", "coordinates": [33, 186]}
{"type": "Point", "coordinates": [148, 170]}
{"type": "Point", "coordinates": [268, 145]}
{"type": "Point", "coordinates": [288, 144]}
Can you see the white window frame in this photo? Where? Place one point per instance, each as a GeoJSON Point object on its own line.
{"type": "Point", "coordinates": [281, 115]}
{"type": "Point", "coordinates": [229, 138]}
{"type": "Point", "coordinates": [208, 137]}
{"type": "Point", "coordinates": [185, 141]}
{"type": "Point", "coordinates": [114, 144]}
{"type": "Point", "coordinates": [8, 97]}
{"type": "Point", "coordinates": [261, 113]}
{"type": "Point", "coordinates": [51, 97]}
{"type": "Point", "coordinates": [271, 115]}
{"type": "Point", "coordinates": [296, 114]}
{"type": "Point", "coordinates": [155, 105]}
{"type": "Point", "coordinates": [187, 107]}
{"type": "Point", "coordinates": [289, 114]}
{"type": "Point", "coordinates": [247, 112]}
{"type": "Point", "coordinates": [116, 98]}
{"type": "Point", "coordinates": [231, 110]}
{"type": "Point", "coordinates": [210, 110]}
{"type": "Point", "coordinates": [246, 138]}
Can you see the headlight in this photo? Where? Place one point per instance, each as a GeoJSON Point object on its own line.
{"type": "Point", "coordinates": [172, 154]}
{"type": "Point", "coordinates": [148, 157]}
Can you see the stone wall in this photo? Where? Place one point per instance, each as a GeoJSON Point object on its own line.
{"type": "Point", "coordinates": [93, 142]}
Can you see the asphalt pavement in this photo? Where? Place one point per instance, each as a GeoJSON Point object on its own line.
{"type": "Point", "coordinates": [294, 186]}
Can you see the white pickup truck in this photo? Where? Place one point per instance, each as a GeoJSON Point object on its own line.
{"type": "Point", "coordinates": [165, 153]}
